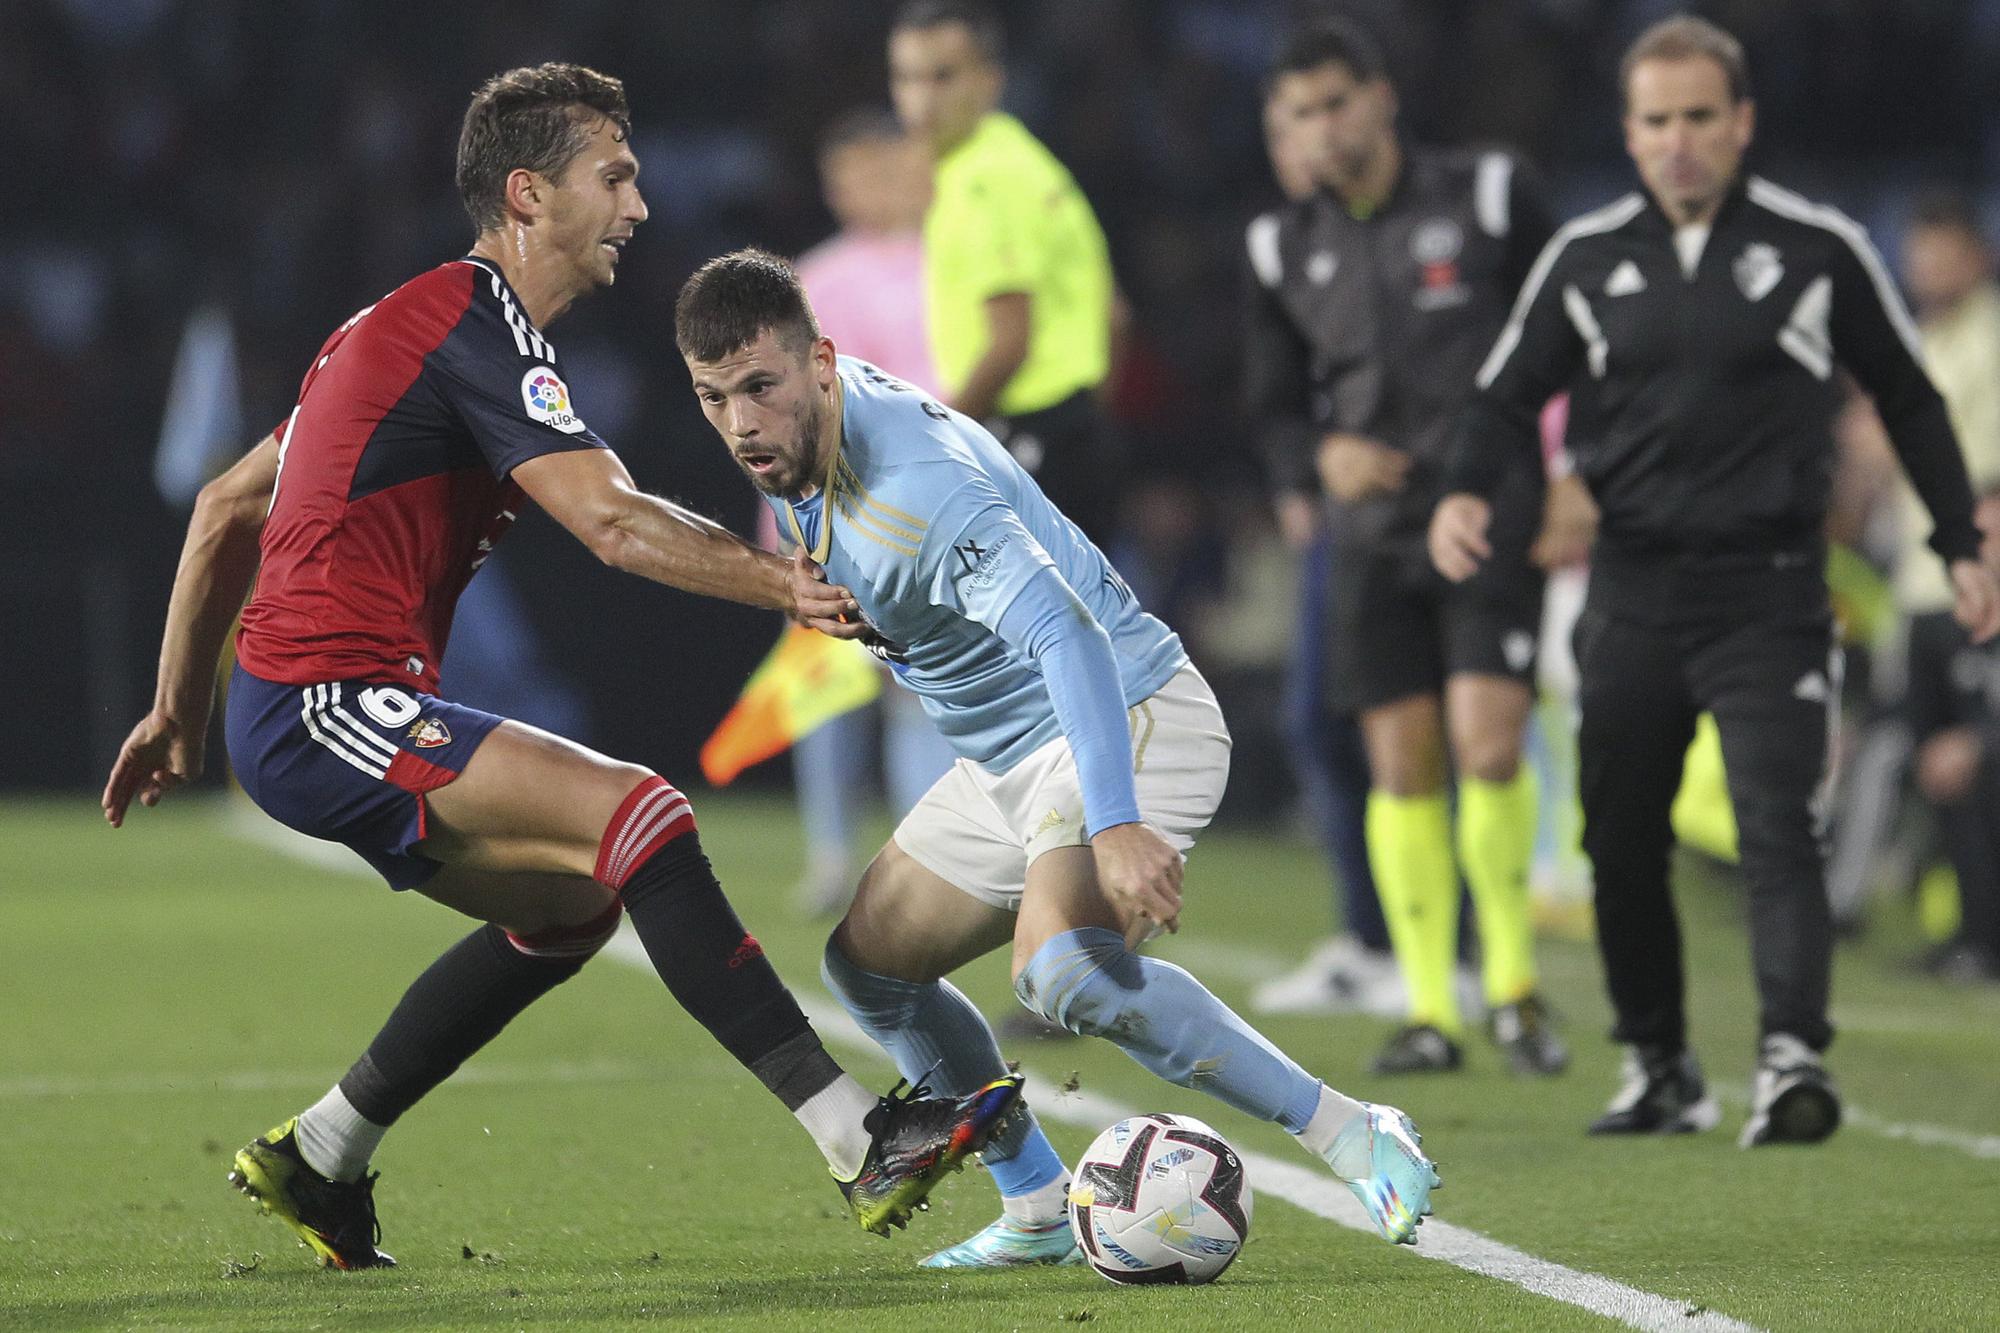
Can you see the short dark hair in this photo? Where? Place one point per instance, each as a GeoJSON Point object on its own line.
{"type": "Point", "coordinates": [1685, 37]}
{"type": "Point", "coordinates": [980, 20]}
{"type": "Point", "coordinates": [865, 124]}
{"type": "Point", "coordinates": [1327, 41]}
{"type": "Point", "coordinates": [1947, 210]}
{"type": "Point", "coordinates": [538, 117]}
{"type": "Point", "coordinates": [735, 297]}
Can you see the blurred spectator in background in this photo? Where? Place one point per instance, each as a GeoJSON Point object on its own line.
{"type": "Point", "coordinates": [1376, 299]}
{"type": "Point", "coordinates": [1951, 686]}
{"type": "Point", "coordinates": [1954, 684]}
{"type": "Point", "coordinates": [866, 284]}
{"type": "Point", "coordinates": [1018, 281]}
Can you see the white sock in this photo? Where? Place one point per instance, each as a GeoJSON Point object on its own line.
{"type": "Point", "coordinates": [833, 1117]}
{"type": "Point", "coordinates": [1039, 1207]}
{"type": "Point", "coordinates": [1333, 1115]}
{"type": "Point", "coordinates": [335, 1139]}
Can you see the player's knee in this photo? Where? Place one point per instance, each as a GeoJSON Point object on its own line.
{"type": "Point", "coordinates": [881, 1000]}
{"type": "Point", "coordinates": [1076, 981]}
{"type": "Point", "coordinates": [576, 944]}
{"type": "Point", "coordinates": [652, 814]}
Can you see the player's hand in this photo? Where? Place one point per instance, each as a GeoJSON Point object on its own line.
{"type": "Point", "coordinates": [1353, 468]}
{"type": "Point", "coordinates": [1569, 525]}
{"type": "Point", "coordinates": [826, 607]}
{"type": "Point", "coordinates": [1141, 873]}
{"type": "Point", "coordinates": [1458, 536]}
{"type": "Point", "coordinates": [1976, 599]}
{"type": "Point", "coordinates": [1948, 764]}
{"type": "Point", "coordinates": [157, 757]}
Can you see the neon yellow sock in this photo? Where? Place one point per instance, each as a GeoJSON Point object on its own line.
{"type": "Point", "coordinates": [1409, 849]}
{"type": "Point", "coordinates": [1496, 845]}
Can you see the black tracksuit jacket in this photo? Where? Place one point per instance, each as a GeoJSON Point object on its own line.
{"type": "Point", "coordinates": [1375, 325]}
{"type": "Point", "coordinates": [1701, 402]}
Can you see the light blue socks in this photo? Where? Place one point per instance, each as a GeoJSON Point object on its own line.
{"type": "Point", "coordinates": [933, 1031]}
{"type": "Point", "coordinates": [1089, 982]}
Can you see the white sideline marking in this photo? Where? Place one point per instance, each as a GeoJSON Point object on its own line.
{"type": "Point", "coordinates": [1244, 963]}
{"type": "Point", "coordinates": [1319, 1194]}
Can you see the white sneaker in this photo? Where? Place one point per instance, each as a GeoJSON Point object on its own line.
{"type": "Point", "coordinates": [1337, 977]}
{"type": "Point", "coordinates": [1795, 1100]}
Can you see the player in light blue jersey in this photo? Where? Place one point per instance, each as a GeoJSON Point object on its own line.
{"type": "Point", "coordinates": [1091, 755]}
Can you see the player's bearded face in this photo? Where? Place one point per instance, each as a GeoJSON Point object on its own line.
{"type": "Point", "coordinates": [785, 462]}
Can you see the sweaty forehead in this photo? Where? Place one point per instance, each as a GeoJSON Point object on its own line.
{"type": "Point", "coordinates": [608, 146]}
{"type": "Point", "coordinates": [764, 355]}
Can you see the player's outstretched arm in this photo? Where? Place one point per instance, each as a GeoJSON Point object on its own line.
{"type": "Point", "coordinates": [590, 493]}
{"type": "Point", "coordinates": [218, 562]}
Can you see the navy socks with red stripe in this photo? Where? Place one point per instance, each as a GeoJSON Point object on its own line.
{"type": "Point", "coordinates": [460, 1003]}
{"type": "Point", "coordinates": [652, 857]}
{"type": "Point", "coordinates": [718, 972]}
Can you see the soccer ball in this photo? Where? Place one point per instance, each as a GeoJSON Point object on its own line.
{"type": "Point", "coordinates": [1160, 1198]}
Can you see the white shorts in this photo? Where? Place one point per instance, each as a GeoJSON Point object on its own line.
{"type": "Point", "coordinates": [980, 831]}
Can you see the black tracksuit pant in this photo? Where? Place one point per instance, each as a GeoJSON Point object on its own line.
{"type": "Point", "coordinates": [1748, 639]}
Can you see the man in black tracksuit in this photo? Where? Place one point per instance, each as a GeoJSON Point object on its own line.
{"type": "Point", "coordinates": [1372, 301]}
{"type": "Point", "coordinates": [1699, 324]}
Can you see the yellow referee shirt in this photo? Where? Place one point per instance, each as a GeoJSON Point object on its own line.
{"type": "Point", "coordinates": [1007, 217]}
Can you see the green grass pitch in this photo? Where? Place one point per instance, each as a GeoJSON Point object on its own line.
{"type": "Point", "coordinates": [172, 989]}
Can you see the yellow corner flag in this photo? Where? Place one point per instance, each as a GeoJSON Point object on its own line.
{"type": "Point", "coordinates": [806, 681]}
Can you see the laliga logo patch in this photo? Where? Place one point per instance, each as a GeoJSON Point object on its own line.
{"type": "Point", "coordinates": [547, 399]}
{"type": "Point", "coordinates": [429, 733]}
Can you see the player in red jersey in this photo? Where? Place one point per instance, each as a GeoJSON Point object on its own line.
{"type": "Point", "coordinates": [421, 426]}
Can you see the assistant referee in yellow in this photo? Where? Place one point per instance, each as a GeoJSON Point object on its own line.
{"type": "Point", "coordinates": [1018, 290]}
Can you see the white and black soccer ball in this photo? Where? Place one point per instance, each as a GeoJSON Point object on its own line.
{"type": "Point", "coordinates": [1160, 1198]}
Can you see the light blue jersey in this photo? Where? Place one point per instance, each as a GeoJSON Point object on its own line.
{"type": "Point", "coordinates": [938, 531]}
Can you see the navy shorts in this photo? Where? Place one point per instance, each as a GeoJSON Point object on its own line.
{"type": "Point", "coordinates": [1400, 629]}
{"type": "Point", "coordinates": [350, 761]}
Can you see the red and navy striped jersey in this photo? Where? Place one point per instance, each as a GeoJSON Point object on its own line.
{"type": "Point", "coordinates": [394, 479]}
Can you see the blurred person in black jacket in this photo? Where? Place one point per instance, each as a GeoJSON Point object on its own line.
{"type": "Point", "coordinates": [1374, 299]}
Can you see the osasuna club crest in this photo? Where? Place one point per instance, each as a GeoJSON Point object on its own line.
{"type": "Point", "coordinates": [429, 733]}
{"type": "Point", "coordinates": [1758, 269]}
